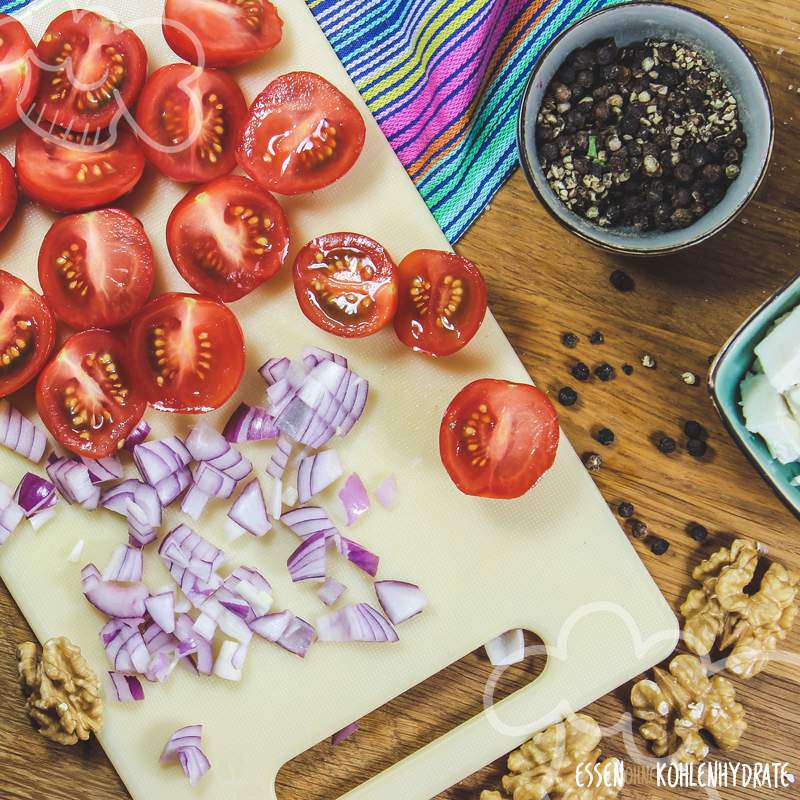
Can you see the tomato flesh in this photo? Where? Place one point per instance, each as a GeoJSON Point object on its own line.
{"type": "Point", "coordinates": [97, 69]}
{"type": "Point", "coordinates": [85, 395]}
{"type": "Point", "coordinates": [346, 284]}
{"type": "Point", "coordinates": [96, 269]}
{"type": "Point", "coordinates": [228, 32]}
{"type": "Point", "coordinates": [19, 72]}
{"type": "Point", "coordinates": [66, 175]}
{"type": "Point", "coordinates": [227, 237]}
{"type": "Point", "coordinates": [8, 192]}
{"type": "Point", "coordinates": [442, 302]}
{"type": "Point", "coordinates": [27, 333]}
{"type": "Point", "coordinates": [302, 134]}
{"type": "Point", "coordinates": [190, 120]}
{"type": "Point", "coordinates": [188, 353]}
{"type": "Point", "coordinates": [498, 438]}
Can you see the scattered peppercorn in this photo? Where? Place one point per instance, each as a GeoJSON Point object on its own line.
{"type": "Point", "coordinates": [698, 532]}
{"type": "Point", "coordinates": [567, 396]}
{"type": "Point", "coordinates": [570, 340]}
{"type": "Point", "coordinates": [627, 369]}
{"type": "Point", "coordinates": [689, 378]}
{"type": "Point", "coordinates": [696, 447]}
{"type": "Point", "coordinates": [621, 281]}
{"type": "Point", "coordinates": [604, 371]}
{"type": "Point", "coordinates": [625, 509]}
{"type": "Point", "coordinates": [694, 430]}
{"type": "Point", "coordinates": [580, 372]}
{"type": "Point", "coordinates": [638, 529]}
{"type": "Point", "coordinates": [659, 546]}
{"type": "Point", "coordinates": [592, 462]}
{"type": "Point", "coordinates": [596, 337]}
{"type": "Point", "coordinates": [648, 361]}
{"type": "Point", "coordinates": [667, 445]}
{"type": "Point", "coordinates": [605, 436]}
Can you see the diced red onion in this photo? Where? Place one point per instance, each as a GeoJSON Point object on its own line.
{"type": "Point", "coordinates": [229, 661]}
{"type": "Point", "coordinates": [233, 530]}
{"type": "Point", "coordinates": [41, 517]}
{"type": "Point", "coordinates": [400, 600]}
{"type": "Point", "coordinates": [194, 502]}
{"type": "Point", "coordinates": [103, 470]}
{"type": "Point", "coordinates": [173, 486]}
{"type": "Point", "coordinates": [355, 623]}
{"type": "Point", "coordinates": [274, 370]}
{"type": "Point", "coordinates": [125, 647]}
{"type": "Point", "coordinates": [127, 687]}
{"type": "Point", "coordinates": [206, 444]}
{"type": "Point", "coordinates": [137, 435]}
{"type": "Point", "coordinates": [140, 531]}
{"type": "Point", "coordinates": [209, 480]}
{"type": "Point", "coordinates": [357, 554]}
{"type": "Point", "coordinates": [161, 666]}
{"type": "Point", "coordinates": [158, 459]}
{"type": "Point", "coordinates": [11, 514]}
{"type": "Point", "coordinates": [313, 356]}
{"type": "Point", "coordinates": [298, 637]}
{"type": "Point", "coordinates": [204, 656]}
{"type": "Point", "coordinates": [354, 498]}
{"type": "Point", "coordinates": [249, 510]}
{"type": "Point", "coordinates": [126, 565]}
{"type": "Point", "coordinates": [508, 648]}
{"type": "Point", "coordinates": [205, 627]}
{"type": "Point", "coordinates": [272, 626]}
{"type": "Point", "coordinates": [189, 736]}
{"type": "Point", "coordinates": [19, 434]}
{"type": "Point", "coordinates": [253, 588]}
{"type": "Point", "coordinates": [331, 591]}
{"type": "Point", "coordinates": [194, 763]}
{"type": "Point", "coordinates": [344, 734]}
{"type": "Point", "coordinates": [275, 505]}
{"type": "Point", "coordinates": [161, 608]}
{"type": "Point", "coordinates": [73, 481]}
{"type": "Point", "coordinates": [76, 551]}
{"type": "Point", "coordinates": [141, 495]}
{"type": "Point", "coordinates": [114, 599]}
{"type": "Point", "coordinates": [35, 494]}
{"type": "Point", "coordinates": [309, 520]}
{"type": "Point", "coordinates": [250, 424]}
{"type": "Point", "coordinates": [386, 493]}
{"type": "Point", "coordinates": [184, 746]}
{"type": "Point", "coordinates": [307, 562]}
{"type": "Point", "coordinates": [315, 473]}
{"type": "Point", "coordinates": [280, 458]}
{"type": "Point", "coordinates": [289, 496]}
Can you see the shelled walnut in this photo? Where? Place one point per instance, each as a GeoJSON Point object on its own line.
{"type": "Point", "coordinates": [679, 704]}
{"type": "Point", "coordinates": [63, 693]}
{"type": "Point", "coordinates": [750, 625]}
{"type": "Point", "coordinates": [547, 765]}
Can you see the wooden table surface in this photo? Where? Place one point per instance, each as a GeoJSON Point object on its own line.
{"type": "Point", "coordinates": [542, 283]}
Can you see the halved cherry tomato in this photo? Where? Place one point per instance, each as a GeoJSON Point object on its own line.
{"type": "Point", "coordinates": [228, 237]}
{"type": "Point", "coordinates": [96, 69]}
{"type": "Point", "coordinates": [8, 192]}
{"type": "Point", "coordinates": [442, 302]}
{"type": "Point", "coordinates": [498, 438]}
{"type": "Point", "coordinates": [85, 395]}
{"type": "Point", "coordinates": [27, 333]}
{"type": "Point", "coordinates": [96, 269]}
{"type": "Point", "coordinates": [346, 284]}
{"type": "Point", "coordinates": [221, 33]}
{"type": "Point", "coordinates": [19, 72]}
{"type": "Point", "coordinates": [188, 353]}
{"type": "Point", "coordinates": [302, 134]}
{"type": "Point", "coordinates": [68, 176]}
{"type": "Point", "coordinates": [190, 120]}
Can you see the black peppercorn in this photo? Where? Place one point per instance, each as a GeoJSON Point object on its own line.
{"type": "Point", "coordinates": [567, 396]}
{"type": "Point", "coordinates": [580, 372]}
{"type": "Point", "coordinates": [698, 532]}
{"type": "Point", "coordinates": [569, 340]}
{"type": "Point", "coordinates": [659, 546]}
{"type": "Point", "coordinates": [605, 436]}
{"type": "Point", "coordinates": [596, 337]}
{"type": "Point", "coordinates": [638, 529]}
{"type": "Point", "coordinates": [694, 430]}
{"type": "Point", "coordinates": [627, 369]}
{"type": "Point", "coordinates": [696, 447]}
{"type": "Point", "coordinates": [592, 462]}
{"type": "Point", "coordinates": [621, 281]}
{"type": "Point", "coordinates": [605, 372]}
{"type": "Point", "coordinates": [667, 445]}
{"type": "Point", "coordinates": [625, 509]}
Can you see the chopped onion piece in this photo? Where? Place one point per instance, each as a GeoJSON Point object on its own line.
{"type": "Point", "coordinates": [354, 498]}
{"type": "Point", "coordinates": [400, 600]}
{"type": "Point", "coordinates": [272, 626]}
{"type": "Point", "coordinates": [76, 551]}
{"type": "Point", "coordinates": [386, 493]}
{"type": "Point", "coordinates": [508, 648]}
{"type": "Point", "coordinates": [315, 473]}
{"type": "Point", "coordinates": [250, 424]}
{"type": "Point", "coordinates": [135, 500]}
{"type": "Point", "coordinates": [73, 481]}
{"type": "Point", "coordinates": [275, 499]}
{"type": "Point", "coordinates": [126, 565]}
{"type": "Point", "coordinates": [280, 458]}
{"type": "Point", "coordinates": [331, 591]}
{"type": "Point", "coordinates": [210, 481]}
{"type": "Point", "coordinates": [173, 486]}
{"type": "Point", "coordinates": [124, 601]}
{"type": "Point", "coordinates": [19, 434]}
{"type": "Point", "coordinates": [358, 555]}
{"type": "Point", "coordinates": [124, 645]}
{"type": "Point", "coordinates": [230, 658]}
{"type": "Point", "coordinates": [298, 637]}
{"type": "Point", "coordinates": [314, 356]}
{"type": "Point", "coordinates": [274, 370]}
{"type": "Point", "coordinates": [161, 608]}
{"type": "Point", "coordinates": [344, 733]}
{"type": "Point", "coordinates": [233, 530]}
{"type": "Point", "coordinates": [307, 562]}
{"type": "Point", "coordinates": [249, 510]}
{"type": "Point", "coordinates": [194, 503]}
{"type": "Point", "coordinates": [189, 736]}
{"type": "Point", "coordinates": [137, 435]}
{"type": "Point", "coordinates": [309, 520]}
{"type": "Point", "coordinates": [158, 459]}
{"type": "Point", "coordinates": [184, 633]}
{"type": "Point", "coordinates": [11, 514]}
{"type": "Point", "coordinates": [103, 470]}
{"type": "Point", "coordinates": [40, 517]}
{"type": "Point", "coordinates": [184, 746]}
{"type": "Point", "coordinates": [35, 494]}
{"type": "Point", "coordinates": [127, 687]}
{"type": "Point", "coordinates": [206, 444]}
{"type": "Point", "coordinates": [355, 623]}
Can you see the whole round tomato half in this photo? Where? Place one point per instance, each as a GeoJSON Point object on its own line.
{"type": "Point", "coordinates": [498, 438]}
{"type": "Point", "coordinates": [302, 134]}
{"type": "Point", "coordinates": [86, 396]}
{"type": "Point", "coordinates": [27, 333]}
{"type": "Point", "coordinates": [187, 353]}
{"type": "Point", "coordinates": [442, 302]}
{"type": "Point", "coordinates": [228, 237]}
{"type": "Point", "coordinates": [19, 72]}
{"type": "Point", "coordinates": [189, 122]}
{"type": "Point", "coordinates": [346, 284]}
{"type": "Point", "coordinates": [220, 33]}
{"type": "Point", "coordinates": [96, 69]}
{"type": "Point", "coordinates": [96, 269]}
{"type": "Point", "coordinates": [8, 192]}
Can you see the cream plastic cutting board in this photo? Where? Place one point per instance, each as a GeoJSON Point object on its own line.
{"type": "Point", "coordinates": [555, 561]}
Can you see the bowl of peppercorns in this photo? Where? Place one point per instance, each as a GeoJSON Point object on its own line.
{"type": "Point", "coordinates": [645, 128]}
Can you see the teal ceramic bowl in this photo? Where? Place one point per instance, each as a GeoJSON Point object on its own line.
{"type": "Point", "coordinates": [726, 373]}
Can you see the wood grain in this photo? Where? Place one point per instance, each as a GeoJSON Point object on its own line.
{"type": "Point", "coordinates": [542, 283]}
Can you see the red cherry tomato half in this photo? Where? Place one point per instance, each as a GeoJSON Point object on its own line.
{"type": "Point", "coordinates": [27, 333]}
{"type": "Point", "coordinates": [302, 134]}
{"type": "Point", "coordinates": [68, 176]}
{"type": "Point", "coordinates": [85, 395]}
{"type": "Point", "coordinates": [188, 353]}
{"type": "Point", "coordinates": [498, 438]}
{"type": "Point", "coordinates": [8, 192]}
{"type": "Point", "coordinates": [228, 237]}
{"type": "Point", "coordinates": [96, 71]}
{"type": "Point", "coordinates": [442, 302]}
{"type": "Point", "coordinates": [96, 269]}
{"type": "Point", "coordinates": [190, 120]}
{"type": "Point", "coordinates": [346, 284]}
{"type": "Point", "coordinates": [19, 72]}
{"type": "Point", "coordinates": [220, 33]}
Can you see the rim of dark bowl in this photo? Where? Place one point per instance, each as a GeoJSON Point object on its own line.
{"type": "Point", "coordinates": [619, 248]}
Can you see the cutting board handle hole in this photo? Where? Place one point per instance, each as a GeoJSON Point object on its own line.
{"type": "Point", "coordinates": [407, 723]}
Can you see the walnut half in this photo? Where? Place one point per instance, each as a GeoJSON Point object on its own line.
{"type": "Point", "coordinates": [547, 765]}
{"type": "Point", "coordinates": [678, 704]}
{"type": "Point", "coordinates": [63, 693]}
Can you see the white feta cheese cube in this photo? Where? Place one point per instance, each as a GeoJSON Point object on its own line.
{"type": "Point", "coordinates": [767, 414]}
{"type": "Point", "coordinates": [779, 352]}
